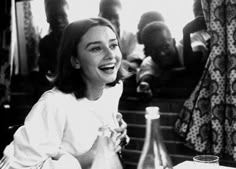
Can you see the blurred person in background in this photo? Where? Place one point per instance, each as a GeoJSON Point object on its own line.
{"type": "Point", "coordinates": [162, 55]}
{"type": "Point", "coordinates": [165, 57]}
{"type": "Point", "coordinates": [145, 19]}
{"type": "Point", "coordinates": [196, 39]}
{"type": "Point", "coordinates": [131, 52]}
{"type": "Point", "coordinates": [57, 18]}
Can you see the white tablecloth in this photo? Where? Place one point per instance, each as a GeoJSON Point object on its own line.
{"type": "Point", "coordinates": [190, 165]}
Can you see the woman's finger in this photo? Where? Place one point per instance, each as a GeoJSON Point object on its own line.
{"type": "Point", "coordinates": [124, 141]}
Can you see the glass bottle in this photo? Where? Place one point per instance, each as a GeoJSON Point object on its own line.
{"type": "Point", "coordinates": [154, 154]}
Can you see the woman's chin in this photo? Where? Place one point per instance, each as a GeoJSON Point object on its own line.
{"type": "Point", "coordinates": [110, 79]}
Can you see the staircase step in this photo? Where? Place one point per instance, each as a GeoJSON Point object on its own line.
{"type": "Point", "coordinates": [138, 117]}
{"type": "Point", "coordinates": [165, 105]}
{"type": "Point", "coordinates": [138, 131]}
{"type": "Point", "coordinates": [173, 147]}
{"type": "Point", "coordinates": [132, 157]}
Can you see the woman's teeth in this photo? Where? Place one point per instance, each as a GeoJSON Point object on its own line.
{"type": "Point", "coordinates": [107, 68]}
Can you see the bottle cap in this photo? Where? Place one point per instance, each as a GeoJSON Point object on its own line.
{"type": "Point", "coordinates": [152, 112]}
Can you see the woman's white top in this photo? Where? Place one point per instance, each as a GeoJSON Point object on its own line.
{"type": "Point", "coordinates": [60, 127]}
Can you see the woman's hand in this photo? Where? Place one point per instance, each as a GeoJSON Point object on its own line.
{"type": "Point", "coordinates": [87, 158]}
{"type": "Point", "coordinates": [116, 139]}
{"type": "Point", "coordinates": [104, 143]}
{"type": "Point", "coordinates": [122, 137]}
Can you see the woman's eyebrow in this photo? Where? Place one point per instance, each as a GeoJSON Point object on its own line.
{"type": "Point", "coordinates": [92, 43]}
{"type": "Point", "coordinates": [112, 40]}
{"type": "Point", "coordinates": [99, 42]}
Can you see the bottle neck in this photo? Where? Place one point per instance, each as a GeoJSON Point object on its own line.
{"type": "Point", "coordinates": [153, 132]}
{"type": "Point", "coordinates": [154, 154]}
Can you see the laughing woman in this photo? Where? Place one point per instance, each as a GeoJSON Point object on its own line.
{"type": "Point", "coordinates": [61, 130]}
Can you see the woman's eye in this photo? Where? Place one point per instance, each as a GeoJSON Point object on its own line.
{"type": "Point", "coordinates": [113, 46]}
{"type": "Point", "coordinates": [95, 49]}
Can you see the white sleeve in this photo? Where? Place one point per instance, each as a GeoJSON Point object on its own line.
{"type": "Point", "coordinates": [38, 140]}
{"type": "Point", "coordinates": [66, 161]}
{"type": "Point", "coordinates": [148, 67]}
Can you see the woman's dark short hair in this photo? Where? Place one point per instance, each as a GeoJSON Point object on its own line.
{"type": "Point", "coordinates": [68, 79]}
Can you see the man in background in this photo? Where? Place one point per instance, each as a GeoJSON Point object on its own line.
{"type": "Point", "coordinates": [132, 54]}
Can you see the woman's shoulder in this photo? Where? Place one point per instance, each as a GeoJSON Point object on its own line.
{"type": "Point", "coordinates": [55, 95]}
{"type": "Point", "coordinates": [51, 101]}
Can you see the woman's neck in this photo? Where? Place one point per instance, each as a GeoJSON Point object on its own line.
{"type": "Point", "coordinates": [94, 92]}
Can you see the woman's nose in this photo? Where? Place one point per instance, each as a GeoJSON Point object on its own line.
{"type": "Point", "coordinates": [109, 53]}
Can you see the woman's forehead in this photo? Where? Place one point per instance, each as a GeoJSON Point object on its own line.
{"type": "Point", "coordinates": [99, 33]}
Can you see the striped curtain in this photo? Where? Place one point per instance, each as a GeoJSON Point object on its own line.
{"type": "Point", "coordinates": [207, 120]}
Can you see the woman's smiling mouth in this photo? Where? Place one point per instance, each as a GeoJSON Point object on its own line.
{"type": "Point", "coordinates": [108, 68]}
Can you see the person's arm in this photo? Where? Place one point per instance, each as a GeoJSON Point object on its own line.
{"type": "Point", "coordinates": [37, 142]}
{"type": "Point", "coordinates": [192, 58]}
{"type": "Point", "coordinates": [148, 72]}
{"type": "Point", "coordinates": [147, 68]}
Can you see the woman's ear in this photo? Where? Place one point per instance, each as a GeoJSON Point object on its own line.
{"type": "Point", "coordinates": [75, 62]}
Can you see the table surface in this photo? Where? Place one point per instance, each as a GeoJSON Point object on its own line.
{"type": "Point", "coordinates": [189, 165]}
